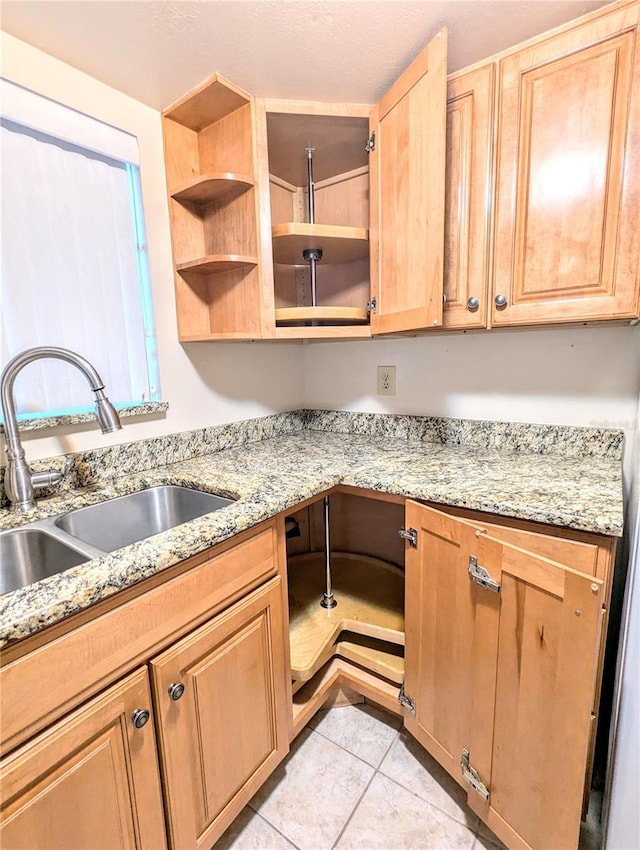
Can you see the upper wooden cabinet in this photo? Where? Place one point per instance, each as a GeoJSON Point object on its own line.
{"type": "Point", "coordinates": [212, 164]}
{"type": "Point", "coordinates": [470, 123]}
{"type": "Point", "coordinates": [501, 658]}
{"type": "Point", "coordinates": [567, 243]}
{"type": "Point", "coordinates": [408, 133]}
{"type": "Point", "coordinates": [245, 233]}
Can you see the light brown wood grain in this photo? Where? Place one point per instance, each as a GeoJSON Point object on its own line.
{"type": "Point", "coordinates": [332, 315]}
{"type": "Point", "coordinates": [228, 732]}
{"type": "Point", "coordinates": [205, 188]}
{"type": "Point", "coordinates": [369, 593]}
{"type": "Point", "coordinates": [408, 195]}
{"type": "Point", "coordinates": [338, 244]}
{"type": "Point", "coordinates": [91, 780]}
{"type": "Point", "coordinates": [568, 175]}
{"type": "Point", "coordinates": [344, 200]}
{"type": "Point", "coordinates": [470, 114]}
{"type": "Point", "coordinates": [38, 688]}
{"type": "Point", "coordinates": [211, 101]}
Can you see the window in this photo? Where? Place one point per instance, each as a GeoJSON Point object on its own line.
{"type": "Point", "coordinates": [74, 257]}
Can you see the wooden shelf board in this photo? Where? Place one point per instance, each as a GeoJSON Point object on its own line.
{"type": "Point", "coordinates": [327, 315]}
{"type": "Point", "coordinates": [210, 102]}
{"type": "Point", "coordinates": [216, 263]}
{"type": "Point", "coordinates": [370, 596]}
{"type": "Point", "coordinates": [337, 673]}
{"type": "Point", "coordinates": [213, 187]}
{"type": "Point", "coordinates": [339, 244]}
{"type": "Point", "coordinates": [377, 656]}
{"type": "Point", "coordinates": [327, 332]}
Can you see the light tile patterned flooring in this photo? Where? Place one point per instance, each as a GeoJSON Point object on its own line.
{"type": "Point", "coordinates": [354, 780]}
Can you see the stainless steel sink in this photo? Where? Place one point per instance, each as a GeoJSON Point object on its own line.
{"type": "Point", "coordinates": [118, 522]}
{"type": "Point", "coordinates": [28, 555]}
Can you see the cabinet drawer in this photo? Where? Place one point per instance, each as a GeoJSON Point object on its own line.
{"type": "Point", "coordinates": [41, 686]}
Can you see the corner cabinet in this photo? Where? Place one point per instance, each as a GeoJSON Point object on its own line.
{"type": "Point", "coordinates": [255, 258]}
{"type": "Point", "coordinates": [502, 650]}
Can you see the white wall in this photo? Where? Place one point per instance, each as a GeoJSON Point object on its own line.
{"type": "Point", "coordinates": [205, 383]}
{"type": "Point", "coordinates": [578, 376]}
{"type": "Point", "coordinates": [623, 822]}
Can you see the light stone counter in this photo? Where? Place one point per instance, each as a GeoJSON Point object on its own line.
{"type": "Point", "coordinates": [567, 477]}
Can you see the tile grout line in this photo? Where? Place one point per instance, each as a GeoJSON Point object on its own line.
{"type": "Point", "coordinates": [275, 828]}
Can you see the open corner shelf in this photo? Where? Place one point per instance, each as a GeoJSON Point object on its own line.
{"type": "Point", "coordinates": [370, 597]}
{"type": "Point", "coordinates": [217, 263]}
{"type": "Point", "coordinates": [339, 244]}
{"type": "Point", "coordinates": [222, 187]}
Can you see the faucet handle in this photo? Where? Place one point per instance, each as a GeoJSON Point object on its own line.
{"type": "Point", "coordinates": [51, 478]}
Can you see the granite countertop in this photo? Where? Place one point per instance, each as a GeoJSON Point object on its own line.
{"type": "Point", "coordinates": [273, 475]}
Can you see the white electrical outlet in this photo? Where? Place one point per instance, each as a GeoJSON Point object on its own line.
{"type": "Point", "coordinates": [386, 380]}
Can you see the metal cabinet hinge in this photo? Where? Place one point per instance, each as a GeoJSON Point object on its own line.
{"type": "Point", "coordinates": [411, 535]}
{"type": "Point", "coordinates": [371, 143]}
{"type": "Point", "coordinates": [407, 702]}
{"type": "Point", "coordinates": [482, 576]}
{"type": "Point", "coordinates": [470, 775]}
{"type": "Point", "coordinates": [371, 305]}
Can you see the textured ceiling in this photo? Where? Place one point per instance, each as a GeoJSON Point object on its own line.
{"type": "Point", "coordinates": [333, 50]}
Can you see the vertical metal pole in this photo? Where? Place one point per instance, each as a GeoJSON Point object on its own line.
{"type": "Point", "coordinates": [311, 186]}
{"type": "Point", "coordinates": [328, 600]}
{"type": "Point", "coordinates": [312, 220]}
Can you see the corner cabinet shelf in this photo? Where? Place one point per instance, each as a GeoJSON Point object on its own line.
{"type": "Point", "coordinates": [222, 187]}
{"type": "Point", "coordinates": [270, 205]}
{"type": "Point", "coordinates": [217, 263]}
{"type": "Point", "coordinates": [214, 206]}
{"type": "Point", "coordinates": [339, 244]}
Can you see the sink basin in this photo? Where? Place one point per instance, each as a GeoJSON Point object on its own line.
{"type": "Point", "coordinates": [28, 555]}
{"type": "Point", "coordinates": [118, 522]}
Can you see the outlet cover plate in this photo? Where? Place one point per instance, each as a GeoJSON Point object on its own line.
{"type": "Point", "coordinates": [386, 380]}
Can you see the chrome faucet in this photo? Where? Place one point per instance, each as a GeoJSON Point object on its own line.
{"type": "Point", "coordinates": [19, 480]}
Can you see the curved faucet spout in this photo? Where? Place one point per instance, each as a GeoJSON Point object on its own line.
{"type": "Point", "coordinates": [19, 479]}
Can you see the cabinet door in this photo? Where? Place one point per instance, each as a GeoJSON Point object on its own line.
{"type": "Point", "coordinates": [506, 675]}
{"type": "Point", "coordinates": [89, 781]}
{"type": "Point", "coordinates": [407, 167]}
{"type": "Point", "coordinates": [568, 176]}
{"type": "Point", "coordinates": [468, 191]}
{"type": "Point", "coordinates": [221, 739]}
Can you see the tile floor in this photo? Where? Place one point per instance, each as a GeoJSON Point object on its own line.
{"type": "Point", "coordinates": [354, 780]}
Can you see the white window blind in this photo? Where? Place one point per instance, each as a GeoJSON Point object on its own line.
{"type": "Point", "coordinates": [74, 258]}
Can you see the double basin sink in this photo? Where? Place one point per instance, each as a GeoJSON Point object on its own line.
{"type": "Point", "coordinates": [45, 548]}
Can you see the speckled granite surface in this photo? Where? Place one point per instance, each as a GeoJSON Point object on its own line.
{"type": "Point", "coordinates": [270, 465]}
{"type": "Point", "coordinates": [37, 423]}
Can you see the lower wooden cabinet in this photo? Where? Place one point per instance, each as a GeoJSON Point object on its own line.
{"type": "Point", "coordinates": [90, 781]}
{"type": "Point", "coordinates": [501, 661]}
{"type": "Point", "coordinates": [223, 706]}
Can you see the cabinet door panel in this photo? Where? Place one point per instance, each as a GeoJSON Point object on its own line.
{"type": "Point", "coordinates": [222, 739]}
{"type": "Point", "coordinates": [407, 169]}
{"type": "Point", "coordinates": [508, 675]}
{"type": "Point", "coordinates": [90, 781]}
{"type": "Point", "coordinates": [468, 190]}
{"type": "Point", "coordinates": [568, 189]}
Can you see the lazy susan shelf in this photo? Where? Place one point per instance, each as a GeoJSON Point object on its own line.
{"type": "Point", "coordinates": [339, 244]}
{"type": "Point", "coordinates": [326, 315]}
{"type": "Point", "coordinates": [370, 597]}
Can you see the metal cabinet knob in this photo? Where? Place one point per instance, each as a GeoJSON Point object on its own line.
{"type": "Point", "coordinates": [500, 301]}
{"type": "Point", "coordinates": [473, 303]}
{"type": "Point", "coordinates": [140, 717]}
{"type": "Point", "coordinates": [444, 298]}
{"type": "Point", "coordinates": [176, 690]}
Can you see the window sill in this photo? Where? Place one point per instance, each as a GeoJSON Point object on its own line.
{"type": "Point", "coordinates": [40, 422]}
